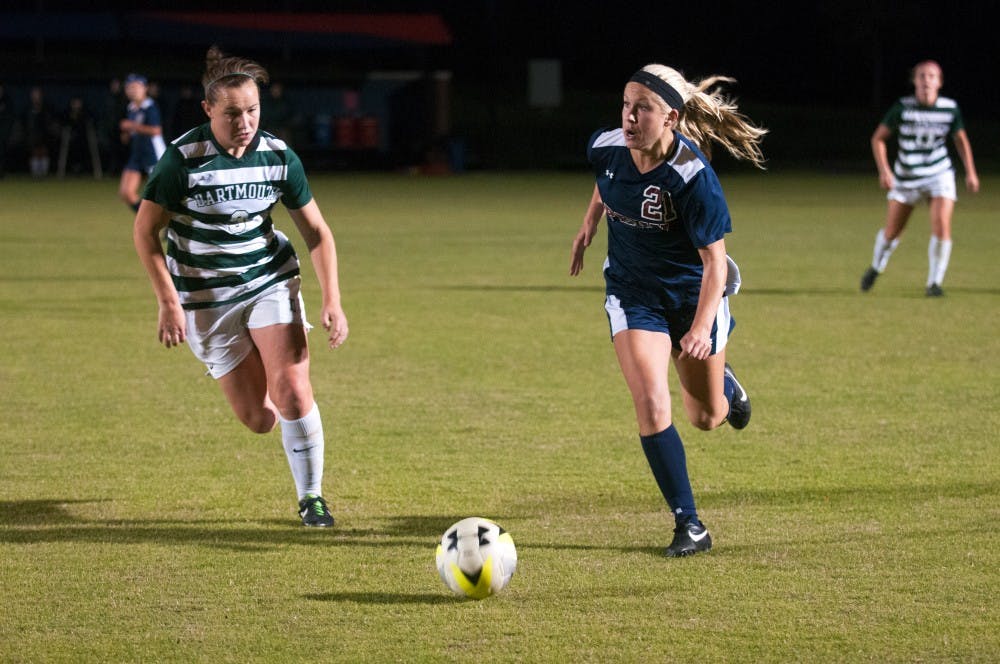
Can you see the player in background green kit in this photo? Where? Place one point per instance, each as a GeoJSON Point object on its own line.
{"type": "Point", "coordinates": [922, 170]}
{"type": "Point", "coordinates": [229, 281]}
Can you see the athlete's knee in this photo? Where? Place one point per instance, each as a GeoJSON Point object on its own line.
{"type": "Point", "coordinates": [293, 398]}
{"type": "Point", "coordinates": [705, 421]}
{"type": "Point", "coordinates": [707, 418]}
{"type": "Point", "coordinates": [264, 424]}
{"type": "Point", "coordinates": [259, 420]}
{"type": "Point", "coordinates": [652, 411]}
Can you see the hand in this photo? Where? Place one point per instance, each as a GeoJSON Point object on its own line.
{"type": "Point", "coordinates": [172, 325]}
{"type": "Point", "coordinates": [335, 323]}
{"type": "Point", "coordinates": [886, 181]}
{"type": "Point", "coordinates": [696, 344]}
{"type": "Point", "coordinates": [580, 244]}
{"type": "Point", "coordinates": [972, 183]}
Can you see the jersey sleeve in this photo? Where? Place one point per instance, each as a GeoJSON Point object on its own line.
{"type": "Point", "coordinates": [166, 183]}
{"type": "Point", "coordinates": [957, 123]}
{"type": "Point", "coordinates": [153, 118]}
{"type": "Point", "coordinates": [590, 145]}
{"type": "Point", "coordinates": [295, 192]}
{"type": "Point", "coordinates": [597, 154]}
{"type": "Point", "coordinates": [704, 211]}
{"type": "Point", "coordinates": [893, 116]}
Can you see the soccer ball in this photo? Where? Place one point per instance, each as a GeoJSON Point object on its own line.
{"type": "Point", "coordinates": [476, 558]}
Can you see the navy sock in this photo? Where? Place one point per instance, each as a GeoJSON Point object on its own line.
{"type": "Point", "coordinates": [665, 454]}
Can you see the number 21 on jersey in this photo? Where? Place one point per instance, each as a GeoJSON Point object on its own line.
{"type": "Point", "coordinates": [657, 205]}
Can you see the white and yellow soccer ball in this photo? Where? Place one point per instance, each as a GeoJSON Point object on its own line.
{"type": "Point", "coordinates": [476, 558]}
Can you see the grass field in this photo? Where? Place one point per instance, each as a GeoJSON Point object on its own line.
{"type": "Point", "coordinates": [855, 519]}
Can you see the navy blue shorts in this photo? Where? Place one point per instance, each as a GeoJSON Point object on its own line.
{"type": "Point", "coordinates": [675, 323]}
{"type": "Point", "coordinates": [140, 163]}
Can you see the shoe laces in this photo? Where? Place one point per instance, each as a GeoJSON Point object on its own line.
{"type": "Point", "coordinates": [316, 504]}
{"type": "Point", "coordinates": [689, 524]}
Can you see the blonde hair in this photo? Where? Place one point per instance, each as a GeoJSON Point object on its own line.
{"type": "Point", "coordinates": [229, 72]}
{"type": "Point", "coordinates": [708, 116]}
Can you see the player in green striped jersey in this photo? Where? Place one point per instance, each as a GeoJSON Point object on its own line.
{"type": "Point", "coordinates": [229, 282]}
{"type": "Point", "coordinates": [922, 170]}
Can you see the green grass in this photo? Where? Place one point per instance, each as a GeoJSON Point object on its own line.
{"type": "Point", "coordinates": [855, 519]}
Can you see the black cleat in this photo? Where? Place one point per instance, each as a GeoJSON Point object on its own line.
{"type": "Point", "coordinates": [868, 279]}
{"type": "Point", "coordinates": [689, 538]}
{"type": "Point", "coordinates": [314, 512]}
{"type": "Point", "coordinates": [934, 291]}
{"type": "Point", "coordinates": [739, 407]}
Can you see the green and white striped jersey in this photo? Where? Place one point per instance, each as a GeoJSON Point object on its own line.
{"type": "Point", "coordinates": [921, 134]}
{"type": "Point", "coordinates": [221, 244]}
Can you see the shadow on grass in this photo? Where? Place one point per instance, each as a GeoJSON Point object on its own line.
{"type": "Point", "coordinates": [975, 290]}
{"type": "Point", "coordinates": [43, 521]}
{"type": "Point", "coordinates": [656, 551]}
{"type": "Point", "coordinates": [384, 598]}
{"type": "Point", "coordinates": [852, 290]}
{"type": "Point", "coordinates": [838, 495]}
{"type": "Point", "coordinates": [39, 512]}
{"type": "Point", "coordinates": [810, 290]}
{"type": "Point", "coordinates": [396, 526]}
{"type": "Point", "coordinates": [916, 293]}
{"type": "Point", "coordinates": [520, 289]}
{"type": "Point", "coordinates": [54, 521]}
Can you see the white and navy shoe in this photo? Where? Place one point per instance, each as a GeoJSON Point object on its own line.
{"type": "Point", "coordinates": [690, 537]}
{"type": "Point", "coordinates": [739, 407]}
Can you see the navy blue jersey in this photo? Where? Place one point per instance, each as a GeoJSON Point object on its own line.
{"type": "Point", "coordinates": [658, 220]}
{"type": "Point", "coordinates": [145, 150]}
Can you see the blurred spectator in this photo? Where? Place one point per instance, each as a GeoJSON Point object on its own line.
{"type": "Point", "coordinates": [41, 131]}
{"type": "Point", "coordinates": [188, 112]}
{"type": "Point", "coordinates": [78, 146]}
{"type": "Point", "coordinates": [279, 116]}
{"type": "Point", "coordinates": [7, 120]}
{"type": "Point", "coordinates": [113, 152]}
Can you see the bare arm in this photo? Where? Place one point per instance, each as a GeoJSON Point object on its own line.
{"type": "Point", "coordinates": [881, 153]}
{"type": "Point", "coordinates": [697, 342]}
{"type": "Point", "coordinates": [323, 251]}
{"type": "Point", "coordinates": [149, 221]}
{"type": "Point", "coordinates": [591, 218]}
{"type": "Point", "coordinates": [964, 149]}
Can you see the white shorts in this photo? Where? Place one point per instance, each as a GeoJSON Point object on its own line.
{"type": "Point", "coordinates": [220, 336]}
{"type": "Point", "coordinates": [911, 192]}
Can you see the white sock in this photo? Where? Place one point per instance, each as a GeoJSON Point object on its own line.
{"type": "Point", "coordinates": [932, 258]}
{"type": "Point", "coordinates": [883, 249]}
{"type": "Point", "coordinates": [304, 446]}
{"type": "Point", "coordinates": [938, 255]}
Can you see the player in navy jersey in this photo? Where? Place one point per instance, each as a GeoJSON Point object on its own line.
{"type": "Point", "coordinates": [667, 274]}
{"type": "Point", "coordinates": [142, 129]}
{"type": "Point", "coordinates": [922, 170]}
{"type": "Point", "coordinates": [229, 282]}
